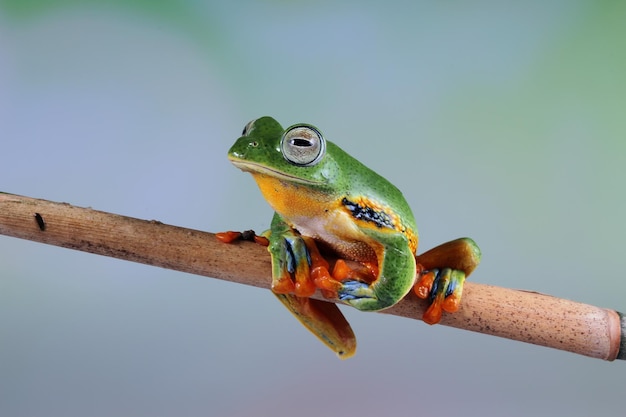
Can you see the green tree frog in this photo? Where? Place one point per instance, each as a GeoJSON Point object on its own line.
{"type": "Point", "coordinates": [327, 202]}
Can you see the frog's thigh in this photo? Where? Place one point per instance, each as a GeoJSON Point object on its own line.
{"type": "Point", "coordinates": [461, 254]}
{"type": "Point", "coordinates": [396, 265]}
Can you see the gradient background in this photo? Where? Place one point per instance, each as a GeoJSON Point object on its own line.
{"type": "Point", "coordinates": [504, 123]}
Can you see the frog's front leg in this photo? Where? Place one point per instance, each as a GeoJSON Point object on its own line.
{"type": "Point", "coordinates": [294, 258]}
{"type": "Point", "coordinates": [291, 260]}
{"type": "Point", "coordinates": [444, 269]}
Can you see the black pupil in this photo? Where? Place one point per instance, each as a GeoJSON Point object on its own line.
{"type": "Point", "coordinates": [301, 142]}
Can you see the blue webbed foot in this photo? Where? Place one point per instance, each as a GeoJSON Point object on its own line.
{"type": "Point", "coordinates": [354, 290]}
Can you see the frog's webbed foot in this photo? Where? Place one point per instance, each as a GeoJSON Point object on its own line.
{"type": "Point", "coordinates": [443, 288]}
{"type": "Point", "coordinates": [300, 269]}
{"type": "Point", "coordinates": [324, 320]}
{"type": "Point", "coordinates": [345, 280]}
{"type": "Point", "coordinates": [444, 269]}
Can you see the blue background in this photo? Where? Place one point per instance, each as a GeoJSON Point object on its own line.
{"type": "Point", "coordinates": [502, 122]}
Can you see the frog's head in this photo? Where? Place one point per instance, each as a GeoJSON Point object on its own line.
{"type": "Point", "coordinates": [298, 154]}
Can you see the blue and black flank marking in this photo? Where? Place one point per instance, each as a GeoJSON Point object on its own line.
{"type": "Point", "coordinates": [368, 214]}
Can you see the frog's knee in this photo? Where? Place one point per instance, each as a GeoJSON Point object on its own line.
{"type": "Point", "coordinates": [471, 255]}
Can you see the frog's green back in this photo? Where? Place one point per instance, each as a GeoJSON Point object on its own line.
{"type": "Point", "coordinates": [357, 180]}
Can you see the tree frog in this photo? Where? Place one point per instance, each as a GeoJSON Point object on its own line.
{"type": "Point", "coordinates": [327, 202]}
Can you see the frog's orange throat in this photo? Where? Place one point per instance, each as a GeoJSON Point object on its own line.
{"type": "Point", "coordinates": [293, 200]}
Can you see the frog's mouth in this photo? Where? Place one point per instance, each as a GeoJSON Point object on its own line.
{"type": "Point", "coordinates": [255, 168]}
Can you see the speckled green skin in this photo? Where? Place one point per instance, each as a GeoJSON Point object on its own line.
{"type": "Point", "coordinates": [335, 177]}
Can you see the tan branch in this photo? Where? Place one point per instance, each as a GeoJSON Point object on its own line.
{"type": "Point", "coordinates": [519, 315]}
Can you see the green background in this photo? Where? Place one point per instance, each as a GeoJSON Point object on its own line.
{"type": "Point", "coordinates": [505, 123]}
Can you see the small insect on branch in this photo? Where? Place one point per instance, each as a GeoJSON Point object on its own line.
{"type": "Point", "coordinates": [40, 222]}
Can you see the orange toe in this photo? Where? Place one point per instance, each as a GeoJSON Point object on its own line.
{"type": "Point", "coordinates": [261, 240]}
{"type": "Point", "coordinates": [228, 237]}
{"type": "Point", "coordinates": [342, 271]}
{"type": "Point", "coordinates": [283, 286]}
{"type": "Point", "coordinates": [304, 287]}
{"type": "Point", "coordinates": [433, 313]}
{"type": "Point", "coordinates": [451, 304]}
{"type": "Point", "coordinates": [424, 285]}
{"type": "Point", "coordinates": [322, 279]}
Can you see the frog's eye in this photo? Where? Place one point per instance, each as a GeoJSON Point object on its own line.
{"type": "Point", "coordinates": [247, 128]}
{"type": "Point", "coordinates": [303, 145]}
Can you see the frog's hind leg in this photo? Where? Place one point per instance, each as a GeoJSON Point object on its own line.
{"type": "Point", "coordinates": [445, 268]}
{"type": "Point", "coordinates": [395, 275]}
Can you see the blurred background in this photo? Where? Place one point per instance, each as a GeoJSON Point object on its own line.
{"type": "Point", "coordinates": [501, 122]}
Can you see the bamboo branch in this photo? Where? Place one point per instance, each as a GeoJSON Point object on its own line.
{"type": "Point", "coordinates": [518, 315]}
